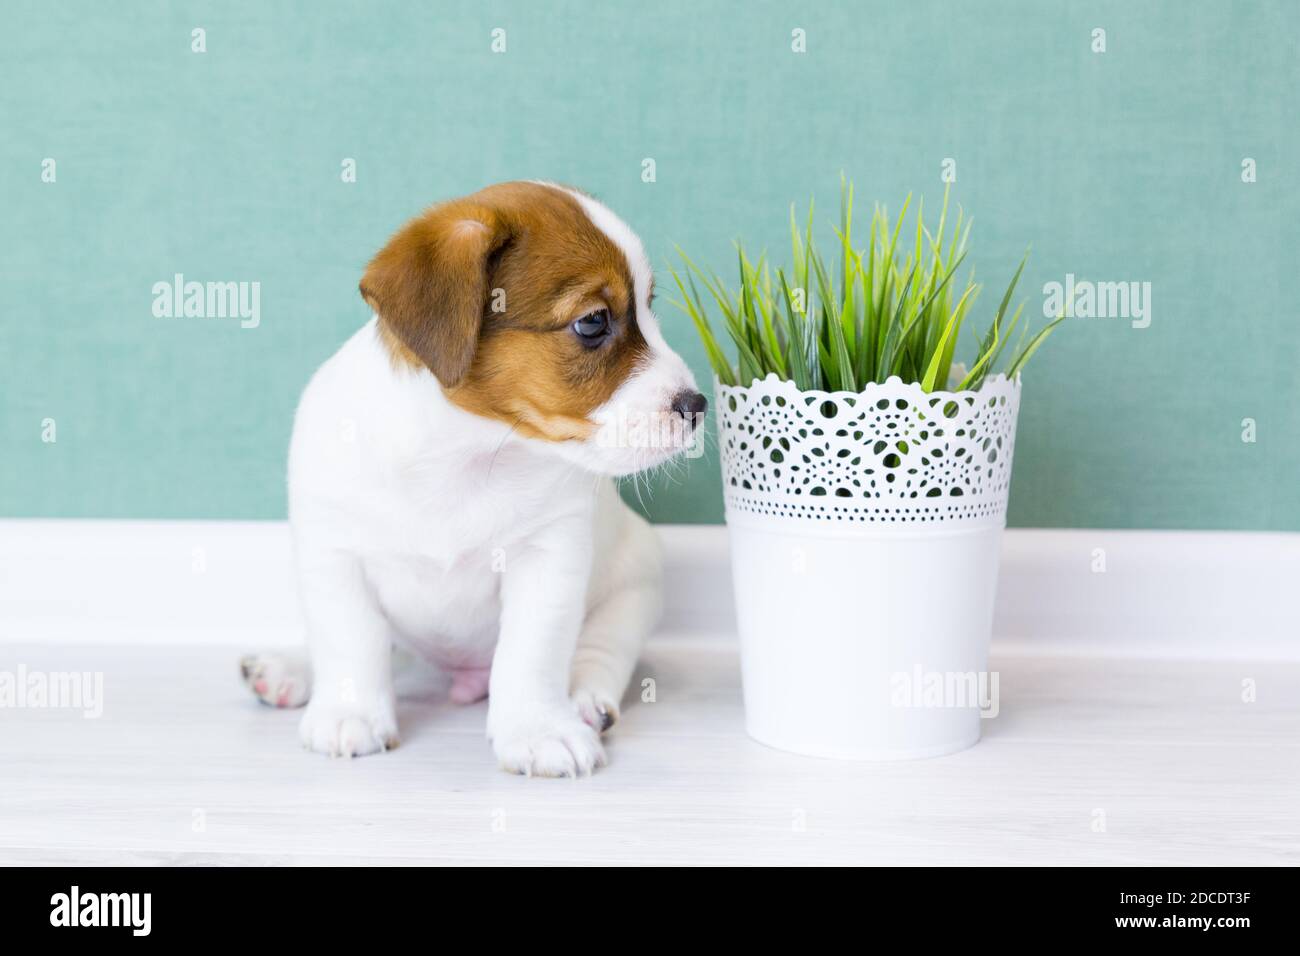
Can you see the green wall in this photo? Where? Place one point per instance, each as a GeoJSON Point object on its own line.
{"type": "Point", "coordinates": [225, 165]}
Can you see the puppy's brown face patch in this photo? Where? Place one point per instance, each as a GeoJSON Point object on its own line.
{"type": "Point", "coordinates": [558, 277]}
{"type": "Point", "coordinates": [555, 329]}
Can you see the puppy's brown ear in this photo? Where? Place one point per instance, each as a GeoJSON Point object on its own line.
{"type": "Point", "coordinates": [429, 285]}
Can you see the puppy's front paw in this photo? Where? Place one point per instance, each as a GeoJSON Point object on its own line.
{"type": "Point", "coordinates": [554, 744]}
{"type": "Point", "coordinates": [596, 710]}
{"type": "Point", "coordinates": [348, 730]}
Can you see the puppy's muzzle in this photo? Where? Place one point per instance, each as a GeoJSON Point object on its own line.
{"type": "Point", "coordinates": [691, 406]}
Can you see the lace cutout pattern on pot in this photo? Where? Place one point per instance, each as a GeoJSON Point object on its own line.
{"type": "Point", "coordinates": [890, 454]}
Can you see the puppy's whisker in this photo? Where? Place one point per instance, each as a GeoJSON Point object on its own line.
{"type": "Point", "coordinates": [495, 454]}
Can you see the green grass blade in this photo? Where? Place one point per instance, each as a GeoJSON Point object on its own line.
{"type": "Point", "coordinates": [1019, 362]}
{"type": "Point", "coordinates": [794, 336]}
{"type": "Point", "coordinates": [690, 304]}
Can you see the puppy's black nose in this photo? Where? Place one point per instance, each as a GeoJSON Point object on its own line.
{"type": "Point", "coordinates": [691, 406]}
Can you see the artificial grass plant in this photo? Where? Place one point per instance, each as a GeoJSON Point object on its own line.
{"type": "Point", "coordinates": [889, 309]}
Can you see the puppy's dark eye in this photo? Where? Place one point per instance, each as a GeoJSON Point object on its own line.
{"type": "Point", "coordinates": [592, 328]}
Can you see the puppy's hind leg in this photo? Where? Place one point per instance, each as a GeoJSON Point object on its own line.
{"type": "Point", "coordinates": [627, 606]}
{"type": "Point", "coordinates": [278, 678]}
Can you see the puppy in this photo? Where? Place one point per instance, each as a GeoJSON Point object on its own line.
{"type": "Point", "coordinates": [449, 485]}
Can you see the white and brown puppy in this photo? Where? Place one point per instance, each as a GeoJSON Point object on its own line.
{"type": "Point", "coordinates": [446, 488]}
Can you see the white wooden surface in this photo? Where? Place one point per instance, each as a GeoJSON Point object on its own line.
{"type": "Point", "coordinates": [1166, 754]}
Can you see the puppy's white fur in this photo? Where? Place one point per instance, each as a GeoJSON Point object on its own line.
{"type": "Point", "coordinates": [418, 523]}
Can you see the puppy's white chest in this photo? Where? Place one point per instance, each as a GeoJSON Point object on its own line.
{"type": "Point", "coordinates": [443, 542]}
{"type": "Point", "coordinates": [444, 612]}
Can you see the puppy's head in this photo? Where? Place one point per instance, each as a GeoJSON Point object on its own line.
{"type": "Point", "coordinates": [531, 304]}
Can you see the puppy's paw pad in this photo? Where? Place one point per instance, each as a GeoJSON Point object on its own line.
{"type": "Point", "coordinates": [558, 746]}
{"type": "Point", "coordinates": [347, 732]}
{"type": "Point", "coordinates": [276, 681]}
{"type": "Point", "coordinates": [596, 710]}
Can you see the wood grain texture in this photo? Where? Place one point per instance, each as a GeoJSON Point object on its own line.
{"type": "Point", "coordinates": [1184, 771]}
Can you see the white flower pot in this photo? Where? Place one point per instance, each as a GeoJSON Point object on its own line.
{"type": "Point", "coordinates": [865, 531]}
